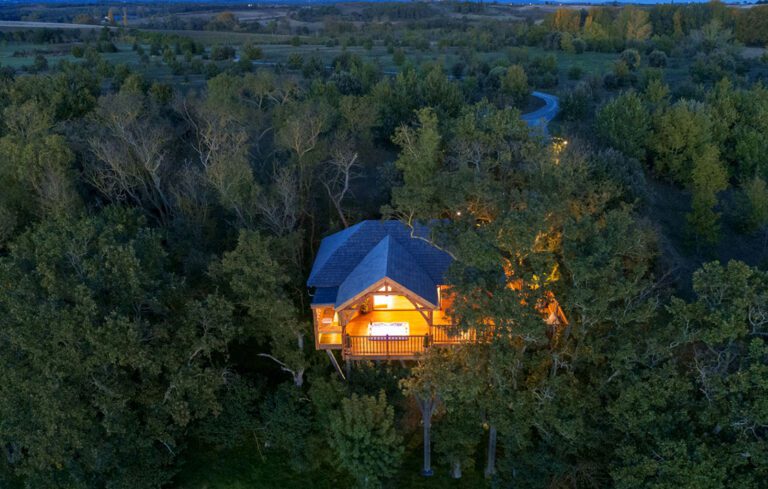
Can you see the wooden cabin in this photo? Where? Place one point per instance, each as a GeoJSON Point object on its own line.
{"type": "Point", "coordinates": [378, 292]}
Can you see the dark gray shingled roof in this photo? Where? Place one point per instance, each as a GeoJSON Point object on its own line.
{"type": "Point", "coordinates": [352, 260]}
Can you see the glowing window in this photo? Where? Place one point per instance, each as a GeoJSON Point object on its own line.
{"type": "Point", "coordinates": [383, 301]}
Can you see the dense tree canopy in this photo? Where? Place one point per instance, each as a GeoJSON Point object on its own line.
{"type": "Point", "coordinates": [159, 218]}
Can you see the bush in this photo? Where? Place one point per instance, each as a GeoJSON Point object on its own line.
{"type": "Point", "coordinates": [657, 59]}
{"type": "Point", "coordinates": [252, 52]}
{"type": "Point", "coordinates": [631, 57]}
{"type": "Point", "coordinates": [295, 61]}
{"type": "Point", "coordinates": [222, 53]}
{"type": "Point", "coordinates": [39, 64]}
{"type": "Point", "coordinates": [575, 73]}
{"type": "Point", "coordinates": [398, 57]}
{"type": "Point", "coordinates": [579, 45]}
{"type": "Point", "coordinates": [575, 103]}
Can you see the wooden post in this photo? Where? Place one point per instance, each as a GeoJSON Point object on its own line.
{"type": "Point", "coordinates": [348, 368]}
{"type": "Point", "coordinates": [335, 363]}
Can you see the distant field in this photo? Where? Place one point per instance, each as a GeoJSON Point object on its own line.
{"type": "Point", "coordinates": [278, 48]}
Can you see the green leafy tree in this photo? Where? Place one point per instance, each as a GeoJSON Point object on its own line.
{"type": "Point", "coordinates": [447, 376]}
{"type": "Point", "coordinates": [755, 194]}
{"type": "Point", "coordinates": [107, 359]}
{"type": "Point", "coordinates": [679, 134]}
{"type": "Point", "coordinates": [634, 24]}
{"type": "Point", "coordinates": [257, 273]}
{"type": "Point", "coordinates": [514, 84]}
{"type": "Point", "coordinates": [37, 175]}
{"type": "Point", "coordinates": [624, 124]}
{"type": "Point", "coordinates": [364, 438]}
{"type": "Point", "coordinates": [697, 388]}
{"type": "Point", "coordinates": [707, 180]}
{"type": "Point", "coordinates": [420, 160]}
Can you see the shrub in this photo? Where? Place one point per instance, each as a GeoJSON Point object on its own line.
{"type": "Point", "coordinates": [222, 53]}
{"type": "Point", "coordinates": [575, 73]}
{"type": "Point", "coordinates": [657, 59]}
{"type": "Point", "coordinates": [579, 45]}
{"type": "Point", "coordinates": [252, 52]}
{"type": "Point", "coordinates": [295, 61]}
{"type": "Point", "coordinates": [631, 57]}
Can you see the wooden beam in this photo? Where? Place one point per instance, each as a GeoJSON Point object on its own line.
{"type": "Point", "coordinates": [335, 364]}
{"type": "Point", "coordinates": [317, 333]}
{"type": "Point", "coordinates": [374, 290]}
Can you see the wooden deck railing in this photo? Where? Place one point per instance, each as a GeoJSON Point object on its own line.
{"type": "Point", "coordinates": [385, 347]}
{"type": "Point", "coordinates": [442, 335]}
{"type": "Point", "coordinates": [403, 347]}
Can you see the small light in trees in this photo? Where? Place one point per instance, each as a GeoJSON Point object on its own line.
{"type": "Point", "coordinates": [458, 213]}
{"type": "Point", "coordinates": [558, 146]}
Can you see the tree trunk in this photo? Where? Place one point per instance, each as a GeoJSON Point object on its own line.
{"type": "Point", "coordinates": [298, 377]}
{"type": "Point", "coordinates": [456, 469]}
{"type": "Point", "coordinates": [490, 467]}
{"type": "Point", "coordinates": [427, 407]}
{"type": "Point", "coordinates": [427, 470]}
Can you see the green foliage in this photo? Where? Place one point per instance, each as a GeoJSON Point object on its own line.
{"type": "Point", "coordinates": [259, 283]}
{"type": "Point", "coordinates": [657, 59]}
{"type": "Point", "coordinates": [624, 124]}
{"type": "Point", "coordinates": [36, 167]}
{"type": "Point", "coordinates": [100, 311]}
{"type": "Point", "coordinates": [679, 136]}
{"type": "Point", "coordinates": [514, 84]}
{"type": "Point", "coordinates": [365, 441]}
{"type": "Point", "coordinates": [707, 179]}
{"type": "Point", "coordinates": [631, 57]}
{"type": "Point", "coordinates": [157, 224]}
{"type": "Point", "coordinates": [419, 161]}
{"type": "Point", "coordinates": [576, 103]}
{"type": "Point", "coordinates": [688, 419]}
{"type": "Point", "coordinates": [754, 206]}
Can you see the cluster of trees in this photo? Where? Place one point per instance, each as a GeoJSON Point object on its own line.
{"type": "Point", "coordinates": [154, 247]}
{"type": "Point", "coordinates": [704, 145]}
{"type": "Point", "coordinates": [613, 29]}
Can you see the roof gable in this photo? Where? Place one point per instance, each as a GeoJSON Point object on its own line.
{"type": "Point", "coordinates": [388, 259]}
{"type": "Point", "coordinates": [340, 253]}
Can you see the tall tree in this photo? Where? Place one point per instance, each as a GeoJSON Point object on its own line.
{"type": "Point", "coordinates": [420, 160]}
{"type": "Point", "coordinates": [107, 359]}
{"type": "Point", "coordinates": [624, 124]}
{"type": "Point", "coordinates": [258, 274]}
{"type": "Point", "coordinates": [364, 438]}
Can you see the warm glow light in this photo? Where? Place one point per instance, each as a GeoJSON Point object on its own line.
{"type": "Point", "coordinates": [383, 301]}
{"type": "Point", "coordinates": [558, 146]}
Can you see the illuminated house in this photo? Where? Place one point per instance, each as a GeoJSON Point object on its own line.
{"type": "Point", "coordinates": [378, 292]}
